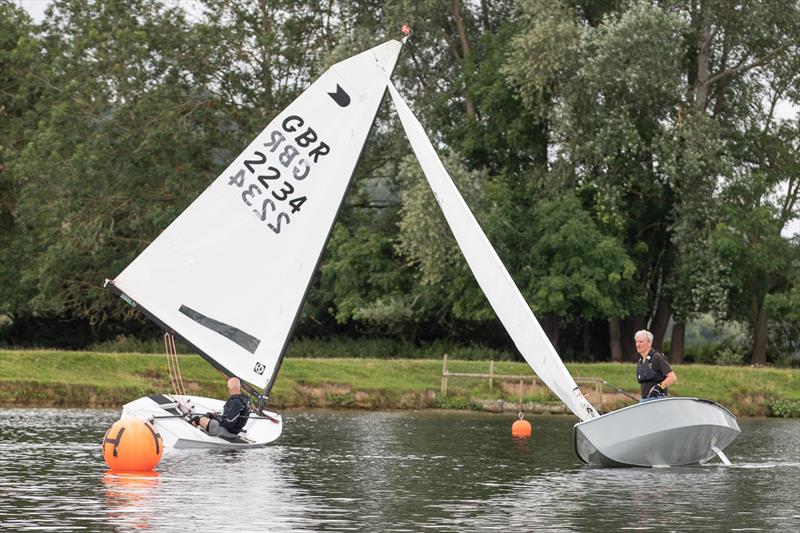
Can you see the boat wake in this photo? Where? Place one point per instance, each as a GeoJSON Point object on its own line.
{"type": "Point", "coordinates": [764, 466]}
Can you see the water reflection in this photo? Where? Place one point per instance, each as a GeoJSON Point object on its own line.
{"type": "Point", "coordinates": [387, 471]}
{"type": "Point", "coordinates": [129, 497]}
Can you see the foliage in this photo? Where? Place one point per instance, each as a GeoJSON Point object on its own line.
{"type": "Point", "coordinates": [455, 402]}
{"type": "Point", "coordinates": [626, 160]}
{"type": "Point", "coordinates": [651, 107]}
{"type": "Point", "coordinates": [729, 356]}
{"type": "Point", "coordinates": [573, 268]}
{"type": "Point", "coordinates": [724, 352]}
{"type": "Point", "coordinates": [785, 408]}
{"type": "Point", "coordinates": [20, 93]}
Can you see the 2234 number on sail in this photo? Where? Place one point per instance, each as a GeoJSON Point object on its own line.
{"type": "Point", "coordinates": [266, 207]}
{"type": "Point", "coordinates": [269, 189]}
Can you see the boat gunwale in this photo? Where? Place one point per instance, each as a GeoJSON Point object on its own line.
{"type": "Point", "coordinates": [656, 401]}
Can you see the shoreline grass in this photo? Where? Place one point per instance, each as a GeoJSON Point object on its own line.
{"type": "Point", "coordinates": [93, 379]}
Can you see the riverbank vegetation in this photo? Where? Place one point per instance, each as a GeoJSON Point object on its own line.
{"type": "Point", "coordinates": [634, 163]}
{"type": "Point", "coordinates": [53, 378]}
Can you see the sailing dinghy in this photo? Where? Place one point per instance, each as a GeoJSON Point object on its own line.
{"type": "Point", "coordinates": [229, 275]}
{"type": "Point", "coordinates": [666, 432]}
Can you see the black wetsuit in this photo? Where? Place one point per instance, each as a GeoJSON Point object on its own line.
{"type": "Point", "coordinates": [651, 371]}
{"type": "Point", "coordinates": [234, 413]}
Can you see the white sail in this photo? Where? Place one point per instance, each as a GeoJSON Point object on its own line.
{"type": "Point", "coordinates": [488, 269]}
{"type": "Point", "coordinates": [230, 274]}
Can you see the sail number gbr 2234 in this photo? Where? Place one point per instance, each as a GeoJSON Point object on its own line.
{"type": "Point", "coordinates": [270, 174]}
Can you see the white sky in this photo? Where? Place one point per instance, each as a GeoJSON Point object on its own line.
{"type": "Point", "coordinates": [35, 8]}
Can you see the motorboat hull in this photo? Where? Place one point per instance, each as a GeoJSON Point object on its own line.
{"type": "Point", "coordinates": [176, 431]}
{"type": "Point", "coordinates": [662, 432]}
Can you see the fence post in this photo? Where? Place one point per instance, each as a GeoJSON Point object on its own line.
{"type": "Point", "coordinates": [599, 386]}
{"type": "Point", "coordinates": [444, 375]}
{"type": "Point", "coordinates": [491, 373]}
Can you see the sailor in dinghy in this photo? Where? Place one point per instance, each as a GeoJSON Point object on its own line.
{"type": "Point", "coordinates": [690, 430]}
{"type": "Point", "coordinates": [231, 421]}
{"type": "Point", "coordinates": [653, 372]}
{"type": "Point", "coordinates": [228, 277]}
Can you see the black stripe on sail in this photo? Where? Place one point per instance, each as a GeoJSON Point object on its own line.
{"type": "Point", "coordinates": [245, 340]}
{"type": "Point", "coordinates": [166, 327]}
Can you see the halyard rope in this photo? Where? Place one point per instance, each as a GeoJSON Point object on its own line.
{"type": "Point", "coordinates": [172, 365]}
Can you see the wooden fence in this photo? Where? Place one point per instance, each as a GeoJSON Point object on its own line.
{"type": "Point", "coordinates": [596, 383]}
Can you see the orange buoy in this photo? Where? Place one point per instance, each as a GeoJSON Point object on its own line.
{"type": "Point", "coordinates": [521, 429]}
{"type": "Point", "coordinates": [132, 444]}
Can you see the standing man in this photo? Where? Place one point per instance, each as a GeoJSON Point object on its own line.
{"type": "Point", "coordinates": [652, 369]}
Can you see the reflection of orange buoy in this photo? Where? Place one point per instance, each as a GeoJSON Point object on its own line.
{"type": "Point", "coordinates": [129, 498]}
{"type": "Point", "coordinates": [132, 444]}
{"type": "Point", "coordinates": [521, 429]}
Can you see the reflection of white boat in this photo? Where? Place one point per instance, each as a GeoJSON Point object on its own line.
{"type": "Point", "coordinates": [663, 432]}
{"type": "Point", "coordinates": [672, 431]}
{"type": "Point", "coordinates": [228, 276]}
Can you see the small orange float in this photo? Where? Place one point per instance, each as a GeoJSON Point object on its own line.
{"type": "Point", "coordinates": [131, 444]}
{"type": "Point", "coordinates": [521, 429]}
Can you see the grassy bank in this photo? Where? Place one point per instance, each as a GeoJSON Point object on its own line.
{"type": "Point", "coordinates": [100, 379]}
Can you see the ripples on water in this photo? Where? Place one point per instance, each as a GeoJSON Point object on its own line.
{"type": "Point", "coordinates": [388, 471]}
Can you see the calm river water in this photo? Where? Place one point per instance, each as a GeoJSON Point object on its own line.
{"type": "Point", "coordinates": [388, 471]}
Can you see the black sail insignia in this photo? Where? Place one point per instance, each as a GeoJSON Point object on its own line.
{"type": "Point", "coordinates": [245, 340]}
{"type": "Point", "coordinates": [340, 97]}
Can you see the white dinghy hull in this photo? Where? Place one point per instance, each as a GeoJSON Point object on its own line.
{"type": "Point", "coordinates": [176, 431]}
{"type": "Point", "coordinates": [663, 432]}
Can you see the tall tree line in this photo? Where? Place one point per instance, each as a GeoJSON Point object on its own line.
{"type": "Point", "coordinates": [627, 159]}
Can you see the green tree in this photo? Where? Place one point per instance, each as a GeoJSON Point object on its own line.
{"type": "Point", "coordinates": [21, 94]}
{"type": "Point", "coordinates": [759, 201]}
{"type": "Point", "coordinates": [647, 100]}
{"type": "Point", "coordinates": [612, 84]}
{"type": "Point", "coordinates": [123, 143]}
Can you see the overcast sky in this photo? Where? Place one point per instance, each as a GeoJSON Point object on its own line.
{"type": "Point", "coordinates": [35, 8]}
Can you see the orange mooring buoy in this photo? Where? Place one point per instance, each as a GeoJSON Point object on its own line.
{"type": "Point", "coordinates": [521, 429]}
{"type": "Point", "coordinates": [132, 444]}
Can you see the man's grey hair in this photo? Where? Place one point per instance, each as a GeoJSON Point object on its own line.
{"type": "Point", "coordinates": [643, 333]}
{"type": "Point", "coordinates": [234, 384]}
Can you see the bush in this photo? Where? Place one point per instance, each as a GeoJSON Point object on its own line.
{"type": "Point", "coordinates": [340, 400]}
{"type": "Point", "coordinates": [703, 354]}
{"type": "Point", "coordinates": [788, 361]}
{"type": "Point", "coordinates": [784, 408]}
{"type": "Point", "coordinates": [455, 402]}
{"type": "Point", "coordinates": [729, 356]}
{"type": "Point", "coordinates": [727, 352]}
